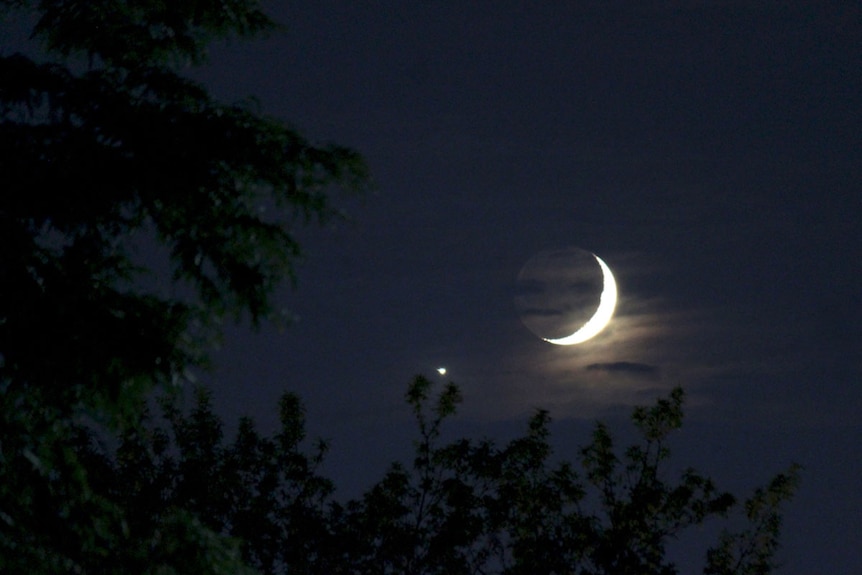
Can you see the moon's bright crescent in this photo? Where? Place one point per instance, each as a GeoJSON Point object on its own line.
{"type": "Point", "coordinates": [600, 319]}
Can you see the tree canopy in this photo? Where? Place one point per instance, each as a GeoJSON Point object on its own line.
{"type": "Point", "coordinates": [107, 139]}
{"type": "Point", "coordinates": [104, 142]}
{"type": "Point", "coordinates": [175, 494]}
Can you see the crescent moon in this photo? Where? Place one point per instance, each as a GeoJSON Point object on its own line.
{"type": "Point", "coordinates": [604, 312]}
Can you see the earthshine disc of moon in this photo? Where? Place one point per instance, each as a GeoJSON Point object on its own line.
{"type": "Point", "coordinates": [564, 297]}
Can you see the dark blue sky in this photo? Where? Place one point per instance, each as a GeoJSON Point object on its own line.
{"type": "Point", "coordinates": [709, 152]}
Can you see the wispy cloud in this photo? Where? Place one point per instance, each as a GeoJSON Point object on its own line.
{"type": "Point", "coordinates": [627, 367]}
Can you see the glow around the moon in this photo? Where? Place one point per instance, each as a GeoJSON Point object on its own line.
{"type": "Point", "coordinates": [603, 315]}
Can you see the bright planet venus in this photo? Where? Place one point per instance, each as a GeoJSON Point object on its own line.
{"type": "Point", "coordinates": [566, 296]}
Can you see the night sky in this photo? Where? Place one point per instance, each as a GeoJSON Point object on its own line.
{"type": "Point", "coordinates": [709, 152]}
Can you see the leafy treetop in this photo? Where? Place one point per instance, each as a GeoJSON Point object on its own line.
{"type": "Point", "coordinates": [467, 507]}
{"type": "Point", "coordinates": [92, 154]}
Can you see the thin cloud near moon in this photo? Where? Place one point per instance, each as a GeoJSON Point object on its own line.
{"type": "Point", "coordinates": [627, 367]}
{"type": "Point", "coordinates": [542, 312]}
{"type": "Point", "coordinates": [642, 353]}
{"type": "Point", "coordinates": [653, 344]}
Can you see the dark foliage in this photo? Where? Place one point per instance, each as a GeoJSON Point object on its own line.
{"type": "Point", "coordinates": [91, 154]}
{"type": "Point", "coordinates": [105, 147]}
{"type": "Point", "coordinates": [178, 496]}
{"type": "Point", "coordinates": [472, 507]}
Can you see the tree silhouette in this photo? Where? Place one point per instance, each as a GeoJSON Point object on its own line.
{"type": "Point", "coordinates": [185, 496]}
{"type": "Point", "coordinates": [473, 507]}
{"type": "Point", "coordinates": [262, 493]}
{"type": "Point", "coordinates": [102, 143]}
{"type": "Point", "coordinates": [110, 140]}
